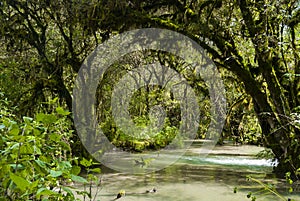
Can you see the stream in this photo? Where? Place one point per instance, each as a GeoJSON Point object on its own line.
{"type": "Point", "coordinates": [201, 179]}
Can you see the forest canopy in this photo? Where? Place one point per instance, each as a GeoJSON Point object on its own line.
{"type": "Point", "coordinates": [254, 44]}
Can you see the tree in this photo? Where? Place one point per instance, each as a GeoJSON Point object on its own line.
{"type": "Point", "coordinates": [259, 42]}
{"type": "Point", "coordinates": [256, 40]}
{"type": "Point", "coordinates": [45, 44]}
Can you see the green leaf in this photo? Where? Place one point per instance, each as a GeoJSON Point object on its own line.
{"type": "Point", "coordinates": [44, 191]}
{"type": "Point", "coordinates": [64, 145]}
{"type": "Point", "coordinates": [53, 101]}
{"type": "Point", "coordinates": [54, 173]}
{"type": "Point", "coordinates": [64, 165]}
{"type": "Point", "coordinates": [96, 170]}
{"type": "Point", "coordinates": [86, 163]}
{"type": "Point", "coordinates": [75, 170]}
{"type": "Point", "coordinates": [61, 111]}
{"type": "Point", "coordinates": [27, 120]}
{"type": "Point", "coordinates": [78, 179]}
{"type": "Point", "coordinates": [42, 164]}
{"type": "Point", "coordinates": [55, 137]}
{"type": "Point", "coordinates": [40, 167]}
{"type": "Point", "coordinates": [2, 126]}
{"type": "Point", "coordinates": [46, 118]}
{"type": "Point", "coordinates": [14, 130]}
{"type": "Point", "coordinates": [37, 150]}
{"type": "Point", "coordinates": [69, 191]}
{"type": "Point", "coordinates": [36, 132]}
{"type": "Point", "coordinates": [19, 166]}
{"type": "Point", "coordinates": [21, 183]}
{"type": "Point", "coordinates": [34, 184]}
{"type": "Point", "coordinates": [84, 193]}
{"type": "Point", "coordinates": [26, 149]}
{"type": "Point", "coordinates": [40, 117]}
{"type": "Point", "coordinates": [14, 146]}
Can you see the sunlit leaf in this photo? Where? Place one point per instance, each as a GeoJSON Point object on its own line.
{"type": "Point", "coordinates": [96, 170]}
{"type": "Point", "coordinates": [14, 130]}
{"type": "Point", "coordinates": [61, 111]}
{"type": "Point", "coordinates": [26, 149]}
{"type": "Point", "coordinates": [19, 166]}
{"type": "Point", "coordinates": [55, 137]}
{"type": "Point", "coordinates": [21, 183]}
{"type": "Point", "coordinates": [85, 162]}
{"type": "Point", "coordinates": [46, 118]}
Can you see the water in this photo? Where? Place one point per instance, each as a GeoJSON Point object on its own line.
{"type": "Point", "coordinates": [195, 179]}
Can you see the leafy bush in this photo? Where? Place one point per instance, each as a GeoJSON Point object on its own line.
{"type": "Point", "coordinates": [36, 161]}
{"type": "Point", "coordinates": [147, 140]}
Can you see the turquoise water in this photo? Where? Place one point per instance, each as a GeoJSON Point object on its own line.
{"type": "Point", "coordinates": [195, 178]}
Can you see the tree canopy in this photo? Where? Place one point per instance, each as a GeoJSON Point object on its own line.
{"type": "Point", "coordinates": [254, 43]}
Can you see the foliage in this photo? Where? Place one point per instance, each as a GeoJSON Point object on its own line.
{"type": "Point", "coordinates": [257, 41]}
{"type": "Point", "coordinates": [241, 126]}
{"type": "Point", "coordinates": [92, 179]}
{"type": "Point", "coordinates": [36, 159]}
{"type": "Point", "coordinates": [266, 154]}
{"type": "Point", "coordinates": [149, 139]}
{"type": "Point", "coordinates": [44, 43]}
{"type": "Point", "coordinates": [150, 105]}
{"type": "Point", "coordinates": [264, 190]}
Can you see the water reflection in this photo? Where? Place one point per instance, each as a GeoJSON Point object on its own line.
{"type": "Point", "coordinates": [193, 178]}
